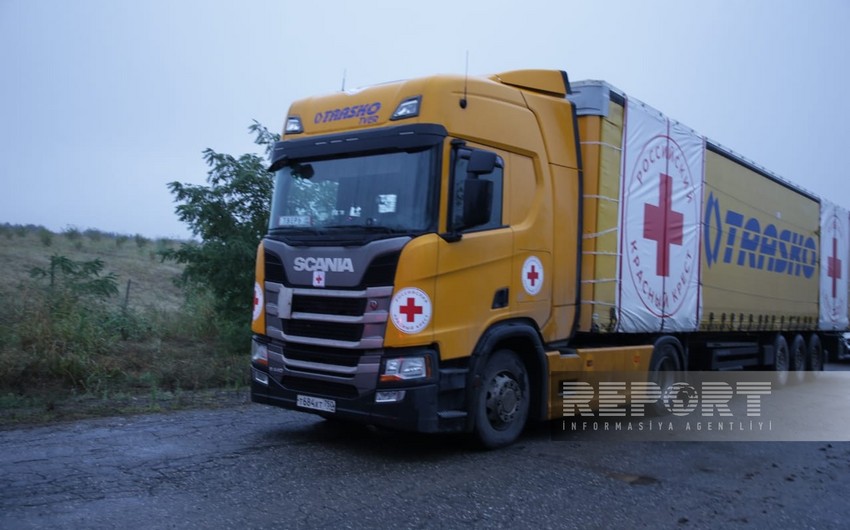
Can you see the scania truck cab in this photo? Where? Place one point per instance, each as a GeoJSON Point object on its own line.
{"type": "Point", "coordinates": [422, 254]}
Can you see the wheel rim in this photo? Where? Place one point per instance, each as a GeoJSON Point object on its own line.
{"type": "Point", "coordinates": [504, 397]}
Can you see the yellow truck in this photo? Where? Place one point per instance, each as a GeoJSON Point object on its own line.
{"type": "Point", "coordinates": [445, 253]}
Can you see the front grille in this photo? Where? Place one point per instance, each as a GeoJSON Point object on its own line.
{"type": "Point", "coordinates": [274, 268]}
{"type": "Point", "coordinates": [339, 314]}
{"type": "Point", "coordinates": [381, 271]}
{"type": "Point", "coordinates": [324, 305]}
{"type": "Point", "coordinates": [323, 330]}
{"type": "Point", "coordinates": [321, 388]}
{"type": "Point", "coordinates": [335, 357]}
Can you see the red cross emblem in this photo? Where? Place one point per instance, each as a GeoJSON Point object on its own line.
{"type": "Point", "coordinates": [258, 300]}
{"type": "Point", "coordinates": [410, 310]}
{"type": "Point", "coordinates": [833, 269]}
{"type": "Point", "coordinates": [663, 225]}
{"type": "Point", "coordinates": [532, 275]}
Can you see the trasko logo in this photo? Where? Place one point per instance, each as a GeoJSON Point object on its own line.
{"type": "Point", "coordinates": [661, 200]}
{"type": "Point", "coordinates": [737, 239]}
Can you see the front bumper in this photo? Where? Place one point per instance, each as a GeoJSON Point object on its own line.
{"type": "Point", "coordinates": [417, 411]}
{"type": "Point", "coordinates": [434, 404]}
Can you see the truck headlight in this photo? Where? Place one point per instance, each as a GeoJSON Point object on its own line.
{"type": "Point", "coordinates": [405, 369]}
{"type": "Point", "coordinates": [259, 354]}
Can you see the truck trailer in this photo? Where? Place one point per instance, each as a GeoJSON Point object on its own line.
{"type": "Point", "coordinates": [444, 253]}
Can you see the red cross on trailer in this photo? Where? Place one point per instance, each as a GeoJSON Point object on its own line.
{"type": "Point", "coordinates": [834, 267]}
{"type": "Point", "coordinates": [663, 225]}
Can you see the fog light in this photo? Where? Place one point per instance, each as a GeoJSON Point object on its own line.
{"type": "Point", "coordinates": [389, 396]}
{"type": "Point", "coordinates": [261, 377]}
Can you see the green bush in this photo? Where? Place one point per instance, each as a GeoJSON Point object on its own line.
{"type": "Point", "coordinates": [94, 235]}
{"type": "Point", "coordinates": [72, 233]}
{"type": "Point", "coordinates": [45, 236]}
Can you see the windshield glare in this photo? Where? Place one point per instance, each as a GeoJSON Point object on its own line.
{"type": "Point", "coordinates": [385, 190]}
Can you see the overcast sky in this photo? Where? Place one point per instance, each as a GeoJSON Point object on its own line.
{"type": "Point", "coordinates": [103, 102]}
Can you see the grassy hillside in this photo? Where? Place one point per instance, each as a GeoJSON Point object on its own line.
{"type": "Point", "coordinates": [65, 338]}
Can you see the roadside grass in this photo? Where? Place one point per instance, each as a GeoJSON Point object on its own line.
{"type": "Point", "coordinates": [69, 351]}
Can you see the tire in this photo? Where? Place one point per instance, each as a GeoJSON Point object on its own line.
{"type": "Point", "coordinates": [814, 356]}
{"type": "Point", "coordinates": [781, 360]}
{"type": "Point", "coordinates": [797, 358]}
{"type": "Point", "coordinates": [664, 370]}
{"type": "Point", "coordinates": [502, 400]}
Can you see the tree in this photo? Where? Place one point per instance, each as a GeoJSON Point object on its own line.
{"type": "Point", "coordinates": [229, 216]}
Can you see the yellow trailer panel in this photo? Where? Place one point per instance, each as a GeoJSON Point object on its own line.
{"type": "Point", "coordinates": [601, 150]}
{"type": "Point", "coordinates": [759, 251]}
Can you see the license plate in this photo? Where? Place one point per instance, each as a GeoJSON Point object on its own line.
{"type": "Point", "coordinates": [310, 402]}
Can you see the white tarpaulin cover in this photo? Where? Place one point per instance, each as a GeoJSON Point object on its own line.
{"type": "Point", "coordinates": [835, 258]}
{"type": "Point", "coordinates": [660, 207]}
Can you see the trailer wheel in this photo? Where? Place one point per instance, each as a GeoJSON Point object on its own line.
{"type": "Point", "coordinates": [780, 360]}
{"type": "Point", "coordinates": [798, 358]}
{"type": "Point", "coordinates": [814, 357]}
{"type": "Point", "coordinates": [502, 400]}
{"type": "Point", "coordinates": [664, 368]}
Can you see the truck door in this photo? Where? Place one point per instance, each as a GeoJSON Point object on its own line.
{"type": "Point", "coordinates": [475, 253]}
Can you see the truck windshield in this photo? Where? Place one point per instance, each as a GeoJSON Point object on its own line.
{"type": "Point", "coordinates": [390, 192]}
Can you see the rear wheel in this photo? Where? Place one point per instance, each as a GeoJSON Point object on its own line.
{"type": "Point", "coordinates": [814, 357]}
{"type": "Point", "coordinates": [781, 360]}
{"type": "Point", "coordinates": [503, 400]}
{"type": "Point", "coordinates": [664, 370]}
{"type": "Point", "coordinates": [798, 358]}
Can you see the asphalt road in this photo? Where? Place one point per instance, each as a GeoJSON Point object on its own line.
{"type": "Point", "coordinates": [253, 466]}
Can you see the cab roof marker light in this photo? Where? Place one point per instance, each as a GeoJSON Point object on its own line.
{"type": "Point", "coordinates": [409, 108]}
{"type": "Point", "coordinates": [293, 125]}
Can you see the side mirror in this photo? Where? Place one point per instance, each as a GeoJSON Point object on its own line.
{"type": "Point", "coordinates": [477, 201]}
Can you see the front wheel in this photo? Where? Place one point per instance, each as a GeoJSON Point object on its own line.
{"type": "Point", "coordinates": [503, 399]}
